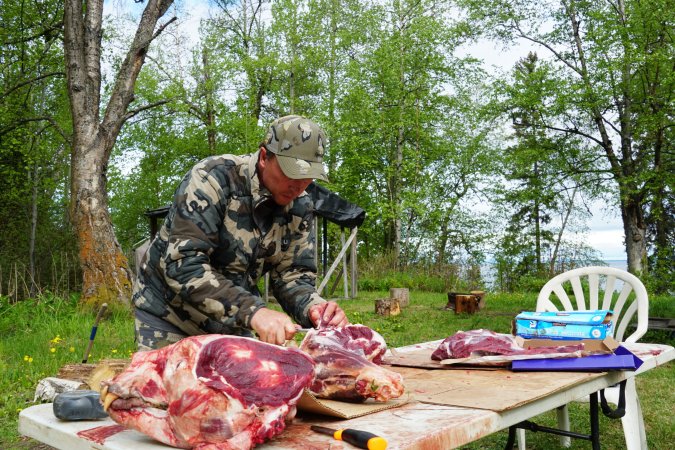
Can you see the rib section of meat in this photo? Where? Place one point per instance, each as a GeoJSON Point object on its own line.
{"type": "Point", "coordinates": [346, 365]}
{"type": "Point", "coordinates": [210, 392]}
{"type": "Point", "coordinates": [464, 344]}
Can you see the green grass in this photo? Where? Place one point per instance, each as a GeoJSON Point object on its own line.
{"type": "Point", "coordinates": [39, 336]}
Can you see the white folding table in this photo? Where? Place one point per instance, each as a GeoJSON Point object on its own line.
{"type": "Point", "coordinates": [416, 425]}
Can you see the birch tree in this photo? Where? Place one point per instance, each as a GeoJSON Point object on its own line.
{"type": "Point", "coordinates": [106, 275]}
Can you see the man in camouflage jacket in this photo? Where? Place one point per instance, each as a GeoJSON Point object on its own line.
{"type": "Point", "coordinates": [233, 219]}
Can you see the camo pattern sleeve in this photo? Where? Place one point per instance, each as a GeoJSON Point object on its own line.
{"type": "Point", "coordinates": [194, 273]}
{"type": "Point", "coordinates": [195, 235]}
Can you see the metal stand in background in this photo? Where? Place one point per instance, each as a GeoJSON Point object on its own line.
{"type": "Point", "coordinates": [341, 257]}
{"type": "Point", "coordinates": [330, 207]}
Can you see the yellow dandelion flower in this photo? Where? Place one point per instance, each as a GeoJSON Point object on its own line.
{"type": "Point", "coordinates": [52, 349]}
{"type": "Point", "coordinates": [71, 349]}
{"type": "Point", "coordinates": [25, 357]}
{"type": "Point", "coordinates": [114, 351]}
{"type": "Point", "coordinates": [30, 359]}
{"type": "Point", "coordinates": [56, 340]}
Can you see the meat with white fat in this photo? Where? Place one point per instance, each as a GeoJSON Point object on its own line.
{"type": "Point", "coordinates": [210, 392]}
{"type": "Point", "coordinates": [347, 365]}
{"type": "Point", "coordinates": [464, 344]}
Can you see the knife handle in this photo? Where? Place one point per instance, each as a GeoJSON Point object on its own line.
{"type": "Point", "coordinates": [361, 439]}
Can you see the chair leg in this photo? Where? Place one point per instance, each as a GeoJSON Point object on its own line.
{"type": "Point", "coordinates": [563, 416]}
{"type": "Point", "coordinates": [641, 424]}
{"type": "Point", "coordinates": [633, 423]}
{"type": "Point", "coordinates": [520, 434]}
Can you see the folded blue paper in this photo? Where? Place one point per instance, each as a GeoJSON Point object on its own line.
{"type": "Point", "coordinates": [621, 359]}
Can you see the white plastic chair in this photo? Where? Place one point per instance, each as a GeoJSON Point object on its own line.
{"type": "Point", "coordinates": [553, 297]}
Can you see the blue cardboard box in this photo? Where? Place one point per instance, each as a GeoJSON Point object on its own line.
{"type": "Point", "coordinates": [593, 324]}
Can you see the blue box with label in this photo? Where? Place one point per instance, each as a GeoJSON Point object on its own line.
{"type": "Point", "coordinates": [592, 324]}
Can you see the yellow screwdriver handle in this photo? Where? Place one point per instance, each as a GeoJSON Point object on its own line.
{"type": "Point", "coordinates": [361, 439]}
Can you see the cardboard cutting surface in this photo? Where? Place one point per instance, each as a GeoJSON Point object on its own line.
{"type": "Point", "coordinates": [495, 390]}
{"type": "Point", "coordinates": [474, 387]}
{"type": "Point", "coordinates": [346, 410]}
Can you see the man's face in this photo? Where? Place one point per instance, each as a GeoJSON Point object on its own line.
{"type": "Point", "coordinates": [284, 190]}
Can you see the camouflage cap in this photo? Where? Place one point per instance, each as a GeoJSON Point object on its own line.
{"type": "Point", "coordinates": [299, 143]}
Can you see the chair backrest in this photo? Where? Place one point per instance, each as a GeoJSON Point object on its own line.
{"type": "Point", "coordinates": [624, 307]}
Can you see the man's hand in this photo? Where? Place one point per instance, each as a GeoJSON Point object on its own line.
{"type": "Point", "coordinates": [273, 327]}
{"type": "Point", "coordinates": [328, 314]}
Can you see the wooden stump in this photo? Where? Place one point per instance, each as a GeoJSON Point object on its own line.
{"type": "Point", "coordinates": [86, 373]}
{"type": "Point", "coordinates": [76, 372]}
{"type": "Point", "coordinates": [466, 304]}
{"type": "Point", "coordinates": [79, 376]}
{"type": "Point", "coordinates": [480, 295]}
{"type": "Point", "coordinates": [400, 294]}
{"type": "Point", "coordinates": [387, 307]}
{"type": "Point", "coordinates": [106, 369]}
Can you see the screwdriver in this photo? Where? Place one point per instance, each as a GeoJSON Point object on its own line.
{"type": "Point", "coordinates": [358, 438]}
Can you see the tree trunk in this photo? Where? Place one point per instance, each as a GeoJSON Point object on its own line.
{"type": "Point", "coordinates": [622, 169]}
{"type": "Point", "coordinates": [401, 295]}
{"type": "Point", "coordinates": [537, 225]}
{"type": "Point", "coordinates": [563, 226]}
{"type": "Point", "coordinates": [105, 269]}
{"type": "Point", "coordinates": [332, 90]}
{"type": "Point", "coordinates": [33, 230]}
{"type": "Point", "coordinates": [635, 230]}
{"type": "Point", "coordinates": [209, 104]}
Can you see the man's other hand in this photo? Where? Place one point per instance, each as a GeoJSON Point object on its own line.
{"type": "Point", "coordinates": [327, 314]}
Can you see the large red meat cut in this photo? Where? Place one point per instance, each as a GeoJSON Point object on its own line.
{"type": "Point", "coordinates": [347, 367]}
{"type": "Point", "coordinates": [210, 392]}
{"type": "Point", "coordinates": [464, 344]}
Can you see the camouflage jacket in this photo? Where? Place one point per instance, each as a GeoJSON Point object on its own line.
{"type": "Point", "coordinates": [222, 233]}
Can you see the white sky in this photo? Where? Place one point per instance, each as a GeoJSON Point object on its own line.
{"type": "Point", "coordinates": [606, 232]}
{"type": "Point", "coordinates": [605, 229]}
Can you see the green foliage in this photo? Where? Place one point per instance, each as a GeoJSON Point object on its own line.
{"type": "Point", "coordinates": [382, 273]}
{"type": "Point", "coordinates": [34, 133]}
{"type": "Point", "coordinates": [606, 82]}
{"type": "Point", "coordinates": [400, 158]}
{"type": "Point", "coordinates": [43, 334]}
{"type": "Point", "coordinates": [419, 132]}
{"type": "Point", "coordinates": [39, 336]}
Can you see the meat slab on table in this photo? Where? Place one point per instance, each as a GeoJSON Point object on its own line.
{"type": "Point", "coordinates": [210, 392]}
{"type": "Point", "coordinates": [347, 365]}
{"type": "Point", "coordinates": [464, 344]}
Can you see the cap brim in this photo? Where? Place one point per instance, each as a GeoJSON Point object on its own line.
{"type": "Point", "coordinates": [296, 169]}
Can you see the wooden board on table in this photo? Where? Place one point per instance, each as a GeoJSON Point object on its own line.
{"type": "Point", "coordinates": [495, 390]}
